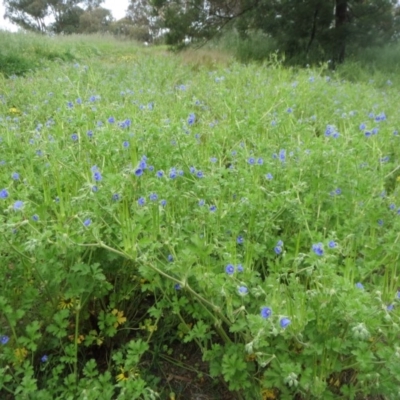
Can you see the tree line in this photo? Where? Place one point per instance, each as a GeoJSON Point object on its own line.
{"type": "Point", "coordinates": [311, 29]}
{"type": "Point", "coordinates": [74, 16]}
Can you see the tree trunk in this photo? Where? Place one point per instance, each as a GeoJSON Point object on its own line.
{"type": "Point", "coordinates": [313, 29]}
{"type": "Point", "coordinates": [340, 30]}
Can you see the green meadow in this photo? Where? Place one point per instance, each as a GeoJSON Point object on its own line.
{"type": "Point", "coordinates": [182, 226]}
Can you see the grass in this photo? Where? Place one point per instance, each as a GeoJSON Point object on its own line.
{"type": "Point", "coordinates": [173, 227]}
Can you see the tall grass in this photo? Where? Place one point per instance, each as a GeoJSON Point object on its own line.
{"type": "Point", "coordinates": [152, 211]}
{"type": "Point", "coordinates": [23, 52]}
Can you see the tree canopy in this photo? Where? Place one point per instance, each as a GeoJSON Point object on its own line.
{"type": "Point", "coordinates": [65, 16]}
{"type": "Point", "coordinates": [316, 29]}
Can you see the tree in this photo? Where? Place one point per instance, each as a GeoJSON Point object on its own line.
{"type": "Point", "coordinates": [28, 14]}
{"type": "Point", "coordinates": [141, 16]}
{"type": "Point", "coordinates": [94, 20]}
{"type": "Point", "coordinates": [64, 15]}
{"type": "Point", "coordinates": [307, 29]}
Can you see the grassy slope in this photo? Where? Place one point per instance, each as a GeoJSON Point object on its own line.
{"type": "Point", "coordinates": [326, 186]}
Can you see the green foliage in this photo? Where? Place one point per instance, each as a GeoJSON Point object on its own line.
{"type": "Point", "coordinates": [13, 64]}
{"type": "Point", "coordinates": [71, 16]}
{"type": "Point", "coordinates": [250, 212]}
{"type": "Point", "coordinates": [306, 32]}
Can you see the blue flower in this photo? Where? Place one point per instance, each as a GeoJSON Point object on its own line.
{"type": "Point", "coordinates": [338, 191]}
{"type": "Point", "coordinates": [170, 258]}
{"type": "Point", "coordinates": [78, 101]}
{"type": "Point", "coordinates": [89, 133]}
{"type": "Point", "coordinates": [15, 176]}
{"type": "Point", "coordinates": [390, 307]}
{"type": "Point", "coordinates": [282, 155]}
{"type": "Point", "coordinates": [172, 173]}
{"type": "Point", "coordinates": [239, 268]}
{"type": "Point", "coordinates": [143, 164]}
{"type": "Point", "coordinates": [87, 222]}
{"type": "Point", "coordinates": [278, 250]}
{"type": "Point", "coordinates": [35, 217]}
{"type": "Point", "coordinates": [359, 285]}
{"type": "Point", "coordinates": [375, 131]}
{"type": "Point", "coordinates": [163, 203]}
{"type": "Point", "coordinates": [44, 359]}
{"type": "Point", "coordinates": [111, 120]}
{"type": "Point", "coordinates": [191, 119]}
{"type": "Point", "coordinates": [4, 339]}
{"type": "Point", "coordinates": [125, 144]}
{"type": "Point", "coordinates": [74, 137]}
{"type": "Point", "coordinates": [269, 176]}
{"type": "Point", "coordinates": [3, 194]}
{"type": "Point", "coordinates": [362, 126]}
{"type": "Point", "coordinates": [192, 170]}
{"type": "Point", "coordinates": [97, 176]}
{"type": "Point", "coordinates": [367, 133]}
{"type": "Point", "coordinates": [332, 244]}
{"type": "Point", "coordinates": [284, 322]}
{"type": "Point", "coordinates": [266, 312]}
{"type": "Point", "coordinates": [213, 208]}
{"type": "Point", "coordinates": [318, 249]}
{"type": "Point", "coordinates": [18, 205]}
{"type": "Point", "coordinates": [329, 130]}
{"type": "Point", "coordinates": [251, 160]}
{"type": "Point", "coordinates": [260, 161]}
{"type": "Point", "coordinates": [240, 239]}
{"type": "Point", "coordinates": [95, 188]}
{"type": "Point", "coordinates": [153, 197]}
{"type": "Point", "coordinates": [280, 243]}
{"type": "Point", "coordinates": [116, 197]}
{"type": "Point", "coordinates": [243, 290]}
{"type": "Point", "coordinates": [201, 202]}
{"type": "Point", "coordinates": [159, 174]}
{"type": "Point", "coordinates": [200, 174]}
{"type": "Point", "coordinates": [213, 159]}
{"type": "Point", "coordinates": [230, 269]}
{"type": "Point", "coordinates": [177, 286]}
{"type": "Point", "coordinates": [141, 201]}
{"type": "Point", "coordinates": [138, 172]}
{"type": "Point", "coordinates": [380, 222]}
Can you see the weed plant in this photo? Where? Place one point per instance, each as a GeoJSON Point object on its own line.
{"type": "Point", "coordinates": [252, 211]}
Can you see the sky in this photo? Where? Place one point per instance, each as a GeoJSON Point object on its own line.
{"type": "Point", "coordinates": [117, 8]}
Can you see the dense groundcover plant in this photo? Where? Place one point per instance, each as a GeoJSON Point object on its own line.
{"type": "Point", "coordinates": [250, 211]}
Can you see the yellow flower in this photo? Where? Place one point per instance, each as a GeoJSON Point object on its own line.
{"type": "Point", "coordinates": [268, 394]}
{"type": "Point", "coordinates": [20, 354]}
{"type": "Point", "coordinates": [66, 303]}
{"type": "Point", "coordinates": [120, 317]}
{"type": "Point", "coordinates": [14, 110]}
{"type": "Point", "coordinates": [148, 326]}
{"type": "Point", "coordinates": [79, 339]}
{"type": "Point", "coordinates": [125, 375]}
